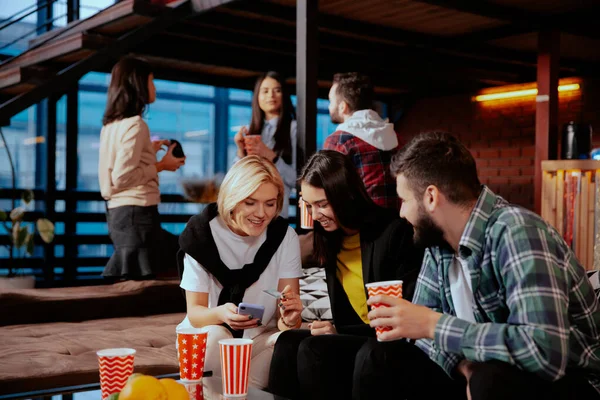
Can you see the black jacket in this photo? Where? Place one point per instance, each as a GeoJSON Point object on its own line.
{"type": "Point", "coordinates": [387, 253]}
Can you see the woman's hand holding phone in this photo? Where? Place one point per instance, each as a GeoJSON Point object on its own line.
{"type": "Point", "coordinates": [229, 315]}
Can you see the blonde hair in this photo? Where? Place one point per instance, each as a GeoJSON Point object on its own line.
{"type": "Point", "coordinates": [243, 179]}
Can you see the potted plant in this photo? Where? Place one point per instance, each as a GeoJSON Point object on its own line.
{"type": "Point", "coordinates": [21, 234]}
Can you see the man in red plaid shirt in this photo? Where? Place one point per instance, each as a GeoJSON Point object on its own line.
{"type": "Point", "coordinates": [362, 135]}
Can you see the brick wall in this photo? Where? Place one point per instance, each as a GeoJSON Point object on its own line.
{"type": "Point", "coordinates": [501, 134]}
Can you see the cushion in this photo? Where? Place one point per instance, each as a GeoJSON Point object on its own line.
{"type": "Point", "coordinates": [42, 356]}
{"type": "Point", "coordinates": [73, 304]}
{"type": "Point", "coordinates": [313, 293]}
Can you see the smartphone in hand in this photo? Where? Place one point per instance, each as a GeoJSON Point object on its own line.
{"type": "Point", "coordinates": [256, 310]}
{"type": "Point", "coordinates": [273, 292]}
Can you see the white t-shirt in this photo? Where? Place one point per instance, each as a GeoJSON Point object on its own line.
{"type": "Point", "coordinates": [236, 251]}
{"type": "Point", "coordinates": [461, 289]}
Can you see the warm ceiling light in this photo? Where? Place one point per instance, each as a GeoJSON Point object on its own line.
{"type": "Point", "coordinates": [522, 93]}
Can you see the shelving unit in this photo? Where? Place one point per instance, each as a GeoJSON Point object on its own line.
{"type": "Point", "coordinates": [570, 202]}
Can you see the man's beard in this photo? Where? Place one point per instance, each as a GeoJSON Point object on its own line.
{"type": "Point", "coordinates": [427, 233]}
{"type": "Point", "coordinates": [336, 118]}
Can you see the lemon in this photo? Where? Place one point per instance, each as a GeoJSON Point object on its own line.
{"type": "Point", "coordinates": [143, 387]}
{"type": "Point", "coordinates": [175, 390]}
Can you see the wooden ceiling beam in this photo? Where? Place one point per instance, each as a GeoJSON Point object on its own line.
{"type": "Point", "coordinates": [524, 21]}
{"type": "Point", "coordinates": [232, 31]}
{"type": "Point", "coordinates": [246, 53]}
{"type": "Point", "coordinates": [487, 9]}
{"type": "Point", "coordinates": [391, 37]}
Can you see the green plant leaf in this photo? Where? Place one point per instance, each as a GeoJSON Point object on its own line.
{"type": "Point", "coordinates": [46, 229]}
{"type": "Point", "coordinates": [3, 216]}
{"type": "Point", "coordinates": [27, 196]}
{"type": "Point", "coordinates": [19, 235]}
{"type": "Point", "coordinates": [30, 244]}
{"type": "Point", "coordinates": [17, 214]}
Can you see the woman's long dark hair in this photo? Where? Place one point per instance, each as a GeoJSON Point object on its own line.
{"type": "Point", "coordinates": [335, 173]}
{"type": "Point", "coordinates": [128, 90]}
{"type": "Point", "coordinates": [283, 144]}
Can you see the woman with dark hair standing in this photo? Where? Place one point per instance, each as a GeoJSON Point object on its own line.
{"type": "Point", "coordinates": [128, 174]}
{"type": "Point", "coordinates": [356, 242]}
{"type": "Point", "coordinates": [272, 130]}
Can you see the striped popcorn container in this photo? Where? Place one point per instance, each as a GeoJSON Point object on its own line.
{"type": "Point", "coordinates": [191, 352]}
{"type": "Point", "coordinates": [306, 221]}
{"type": "Point", "coordinates": [388, 288]}
{"type": "Point", "coordinates": [116, 365]}
{"type": "Point", "coordinates": [235, 366]}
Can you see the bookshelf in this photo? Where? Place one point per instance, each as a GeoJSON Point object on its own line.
{"type": "Point", "coordinates": [570, 200]}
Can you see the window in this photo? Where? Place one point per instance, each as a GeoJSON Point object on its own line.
{"type": "Point", "coordinates": [192, 124]}
{"type": "Point", "coordinates": [22, 142]}
{"type": "Point", "coordinates": [324, 128]}
{"type": "Point", "coordinates": [91, 109]}
{"type": "Point", "coordinates": [238, 117]}
{"type": "Point", "coordinates": [87, 8]}
{"type": "Point", "coordinates": [25, 28]}
{"type": "Point", "coordinates": [240, 95]}
{"type": "Point", "coordinates": [61, 143]}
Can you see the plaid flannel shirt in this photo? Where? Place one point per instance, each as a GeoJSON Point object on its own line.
{"type": "Point", "coordinates": [372, 164]}
{"type": "Point", "coordinates": [533, 303]}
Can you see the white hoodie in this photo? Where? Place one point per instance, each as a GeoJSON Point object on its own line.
{"type": "Point", "coordinates": [368, 126]}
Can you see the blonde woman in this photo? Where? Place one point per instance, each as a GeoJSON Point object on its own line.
{"type": "Point", "coordinates": [234, 250]}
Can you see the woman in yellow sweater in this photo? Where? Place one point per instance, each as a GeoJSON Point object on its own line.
{"type": "Point", "coordinates": [128, 174]}
{"type": "Point", "coordinates": [357, 242]}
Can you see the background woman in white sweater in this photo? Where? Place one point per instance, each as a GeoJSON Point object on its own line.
{"type": "Point", "coordinates": [128, 174]}
{"type": "Point", "coordinates": [274, 127]}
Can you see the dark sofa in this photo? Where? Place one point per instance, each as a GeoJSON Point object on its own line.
{"type": "Point", "coordinates": [49, 337]}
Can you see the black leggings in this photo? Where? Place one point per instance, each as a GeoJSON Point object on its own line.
{"type": "Point", "coordinates": [356, 367]}
{"type": "Point", "coordinates": [345, 367]}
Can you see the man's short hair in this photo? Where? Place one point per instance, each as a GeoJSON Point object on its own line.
{"type": "Point", "coordinates": [439, 159]}
{"type": "Point", "coordinates": [355, 89]}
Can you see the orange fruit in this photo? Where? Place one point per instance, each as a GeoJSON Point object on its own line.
{"type": "Point", "coordinates": [175, 390]}
{"type": "Point", "coordinates": [143, 387]}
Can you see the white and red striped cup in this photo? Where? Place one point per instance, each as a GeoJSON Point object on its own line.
{"type": "Point", "coordinates": [191, 352]}
{"type": "Point", "coordinates": [116, 366]}
{"type": "Point", "coordinates": [235, 366]}
{"type": "Point", "coordinates": [306, 221]}
{"type": "Point", "coordinates": [388, 288]}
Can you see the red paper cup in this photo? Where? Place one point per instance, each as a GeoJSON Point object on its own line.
{"type": "Point", "coordinates": [195, 390]}
{"type": "Point", "coordinates": [306, 221]}
{"type": "Point", "coordinates": [235, 366]}
{"type": "Point", "coordinates": [388, 288]}
{"type": "Point", "coordinates": [191, 351]}
{"type": "Point", "coordinates": [251, 138]}
{"type": "Point", "coordinates": [116, 365]}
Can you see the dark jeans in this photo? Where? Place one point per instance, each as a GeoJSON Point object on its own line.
{"type": "Point", "coordinates": [355, 367]}
{"type": "Point", "coordinates": [416, 376]}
